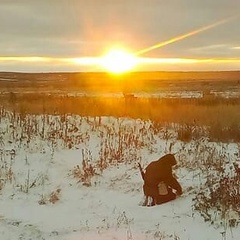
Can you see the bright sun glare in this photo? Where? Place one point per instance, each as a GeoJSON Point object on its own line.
{"type": "Point", "coordinates": [118, 61]}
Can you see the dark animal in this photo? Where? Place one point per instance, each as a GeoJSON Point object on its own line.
{"type": "Point", "coordinates": [157, 172]}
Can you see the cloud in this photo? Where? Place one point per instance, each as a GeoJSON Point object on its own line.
{"type": "Point", "coordinates": [236, 48]}
{"type": "Point", "coordinates": [75, 28]}
{"type": "Point", "coordinates": [219, 50]}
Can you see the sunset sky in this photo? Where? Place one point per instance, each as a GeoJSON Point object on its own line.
{"type": "Point", "coordinates": [67, 35]}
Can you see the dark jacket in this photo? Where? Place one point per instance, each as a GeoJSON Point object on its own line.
{"type": "Point", "coordinates": [160, 170]}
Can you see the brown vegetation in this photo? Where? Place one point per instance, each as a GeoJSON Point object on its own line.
{"type": "Point", "coordinates": [49, 94]}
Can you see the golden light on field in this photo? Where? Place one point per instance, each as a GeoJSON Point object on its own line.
{"type": "Point", "coordinates": [118, 61]}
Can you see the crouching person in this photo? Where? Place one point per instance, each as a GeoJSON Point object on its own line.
{"type": "Point", "coordinates": [160, 186]}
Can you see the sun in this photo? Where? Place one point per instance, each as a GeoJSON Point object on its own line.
{"type": "Point", "coordinates": [118, 61]}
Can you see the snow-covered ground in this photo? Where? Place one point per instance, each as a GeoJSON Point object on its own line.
{"type": "Point", "coordinates": [46, 196]}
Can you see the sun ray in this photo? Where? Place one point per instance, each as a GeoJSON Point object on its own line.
{"type": "Point", "coordinates": [25, 59]}
{"type": "Point", "coordinates": [186, 35]}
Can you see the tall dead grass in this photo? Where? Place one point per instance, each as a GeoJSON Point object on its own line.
{"type": "Point", "coordinates": [220, 115]}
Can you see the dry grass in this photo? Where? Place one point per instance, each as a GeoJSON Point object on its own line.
{"type": "Point", "coordinates": [220, 115]}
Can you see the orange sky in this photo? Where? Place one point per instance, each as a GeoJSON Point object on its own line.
{"type": "Point", "coordinates": [144, 64]}
{"type": "Point", "coordinates": [166, 35]}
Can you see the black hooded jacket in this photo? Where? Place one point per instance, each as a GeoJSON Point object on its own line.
{"type": "Point", "coordinates": [160, 170]}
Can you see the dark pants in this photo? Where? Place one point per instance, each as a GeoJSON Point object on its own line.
{"type": "Point", "coordinates": [152, 191]}
{"type": "Point", "coordinates": [165, 198]}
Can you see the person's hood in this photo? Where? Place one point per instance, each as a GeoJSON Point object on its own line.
{"type": "Point", "coordinates": [168, 160]}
